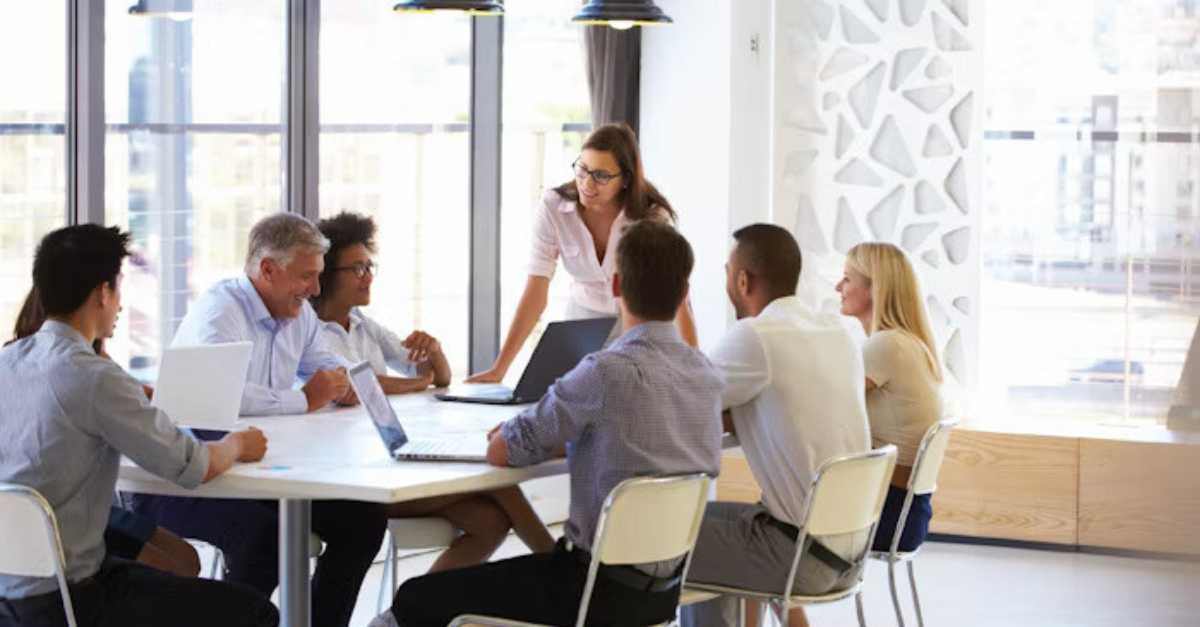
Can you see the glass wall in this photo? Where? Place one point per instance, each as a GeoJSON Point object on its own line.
{"type": "Point", "coordinates": [396, 147]}
{"type": "Point", "coordinates": [33, 178]}
{"type": "Point", "coordinates": [193, 155]}
{"type": "Point", "coordinates": [547, 115]}
{"type": "Point", "coordinates": [1092, 164]}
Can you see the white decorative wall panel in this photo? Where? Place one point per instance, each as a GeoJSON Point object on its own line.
{"type": "Point", "coordinates": [875, 137]}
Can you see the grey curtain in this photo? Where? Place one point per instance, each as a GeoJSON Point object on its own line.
{"type": "Point", "coordinates": [614, 68]}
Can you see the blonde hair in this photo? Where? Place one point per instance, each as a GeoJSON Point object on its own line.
{"type": "Point", "coordinates": [895, 295]}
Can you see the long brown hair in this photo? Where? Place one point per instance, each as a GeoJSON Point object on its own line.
{"type": "Point", "coordinates": [639, 197]}
{"type": "Point", "coordinates": [31, 317]}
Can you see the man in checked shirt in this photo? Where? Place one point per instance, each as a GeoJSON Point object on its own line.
{"type": "Point", "coordinates": [649, 404]}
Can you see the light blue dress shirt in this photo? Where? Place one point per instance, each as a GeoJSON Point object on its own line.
{"type": "Point", "coordinates": [66, 416]}
{"type": "Point", "coordinates": [287, 351]}
{"type": "Point", "coordinates": [649, 404]}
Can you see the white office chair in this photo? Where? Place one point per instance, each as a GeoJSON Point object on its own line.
{"type": "Point", "coordinates": [846, 497]}
{"type": "Point", "coordinates": [410, 534]}
{"type": "Point", "coordinates": [32, 546]}
{"type": "Point", "coordinates": [675, 504]}
{"type": "Point", "coordinates": [923, 480]}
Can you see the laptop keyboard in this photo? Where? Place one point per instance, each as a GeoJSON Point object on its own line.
{"type": "Point", "coordinates": [440, 447]}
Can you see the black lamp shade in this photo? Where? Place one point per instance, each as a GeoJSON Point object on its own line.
{"type": "Point", "coordinates": [474, 7]}
{"type": "Point", "coordinates": [631, 12]}
{"type": "Point", "coordinates": [174, 9]}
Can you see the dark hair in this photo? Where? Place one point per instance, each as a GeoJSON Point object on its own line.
{"type": "Point", "coordinates": [73, 261]}
{"type": "Point", "coordinates": [343, 231]}
{"type": "Point", "coordinates": [639, 196]}
{"type": "Point", "coordinates": [654, 262]}
{"type": "Point", "coordinates": [770, 253]}
{"type": "Point", "coordinates": [31, 317]}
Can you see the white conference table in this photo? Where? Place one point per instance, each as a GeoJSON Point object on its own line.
{"type": "Point", "coordinates": [337, 454]}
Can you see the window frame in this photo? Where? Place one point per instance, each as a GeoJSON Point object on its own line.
{"type": "Point", "coordinates": [86, 135]}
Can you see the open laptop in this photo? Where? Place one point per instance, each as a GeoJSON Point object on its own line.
{"type": "Point", "coordinates": [561, 348]}
{"type": "Point", "coordinates": [399, 446]}
{"type": "Point", "coordinates": [201, 386]}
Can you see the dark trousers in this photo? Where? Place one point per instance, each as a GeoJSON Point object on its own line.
{"type": "Point", "coordinates": [916, 525]}
{"type": "Point", "coordinates": [128, 594]}
{"type": "Point", "coordinates": [542, 588]}
{"type": "Point", "coordinates": [247, 532]}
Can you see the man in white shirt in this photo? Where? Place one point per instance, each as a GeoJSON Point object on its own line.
{"type": "Point", "coordinates": [794, 397]}
{"type": "Point", "coordinates": [269, 307]}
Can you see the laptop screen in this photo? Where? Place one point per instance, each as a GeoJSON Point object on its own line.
{"type": "Point", "coordinates": [366, 386]}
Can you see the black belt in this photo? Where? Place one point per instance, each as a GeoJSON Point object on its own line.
{"type": "Point", "coordinates": [627, 576]}
{"type": "Point", "coordinates": [819, 551]}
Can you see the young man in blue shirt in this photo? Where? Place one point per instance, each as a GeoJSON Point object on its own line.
{"type": "Point", "coordinates": [649, 404]}
{"type": "Point", "coordinates": [66, 418]}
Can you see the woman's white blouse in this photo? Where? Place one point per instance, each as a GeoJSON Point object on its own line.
{"type": "Point", "coordinates": [559, 232]}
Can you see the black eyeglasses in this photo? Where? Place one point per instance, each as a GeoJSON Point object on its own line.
{"type": "Point", "coordinates": [360, 270]}
{"type": "Point", "coordinates": [599, 177]}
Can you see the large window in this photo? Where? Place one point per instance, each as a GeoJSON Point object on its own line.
{"type": "Point", "coordinates": [1091, 274]}
{"type": "Point", "coordinates": [547, 115]}
{"type": "Point", "coordinates": [195, 110]}
{"type": "Point", "coordinates": [395, 145]}
{"type": "Point", "coordinates": [193, 155]}
{"type": "Point", "coordinates": [33, 177]}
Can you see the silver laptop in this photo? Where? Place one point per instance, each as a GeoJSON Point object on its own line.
{"type": "Point", "coordinates": [399, 446]}
{"type": "Point", "coordinates": [201, 386]}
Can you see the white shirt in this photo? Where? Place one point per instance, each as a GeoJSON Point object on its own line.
{"type": "Point", "coordinates": [369, 341]}
{"type": "Point", "coordinates": [286, 351]}
{"type": "Point", "coordinates": [559, 231]}
{"type": "Point", "coordinates": [794, 387]}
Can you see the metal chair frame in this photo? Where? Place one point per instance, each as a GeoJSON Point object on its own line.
{"type": "Point", "coordinates": [601, 537]}
{"type": "Point", "coordinates": [894, 555]}
{"type": "Point", "coordinates": [785, 600]}
{"type": "Point", "coordinates": [59, 566]}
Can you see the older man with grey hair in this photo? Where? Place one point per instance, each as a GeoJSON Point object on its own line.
{"type": "Point", "coordinates": [291, 372]}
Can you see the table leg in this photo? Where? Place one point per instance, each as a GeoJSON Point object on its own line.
{"type": "Point", "coordinates": [295, 525]}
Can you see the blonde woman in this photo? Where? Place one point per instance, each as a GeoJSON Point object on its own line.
{"type": "Point", "coordinates": [904, 377]}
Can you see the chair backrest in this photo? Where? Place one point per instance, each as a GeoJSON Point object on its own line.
{"type": "Point", "coordinates": [646, 519]}
{"type": "Point", "coordinates": [651, 519]}
{"type": "Point", "coordinates": [928, 462]}
{"type": "Point", "coordinates": [848, 492]}
{"type": "Point", "coordinates": [32, 546]}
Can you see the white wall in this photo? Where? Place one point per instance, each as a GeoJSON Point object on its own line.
{"type": "Point", "coordinates": [825, 130]}
{"type": "Point", "coordinates": [704, 132]}
{"type": "Point", "coordinates": [877, 110]}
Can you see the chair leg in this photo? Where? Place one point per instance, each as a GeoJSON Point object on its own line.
{"type": "Point", "coordinates": [912, 581]}
{"type": "Point", "coordinates": [217, 572]}
{"type": "Point", "coordinates": [858, 606]}
{"type": "Point", "coordinates": [784, 614]}
{"type": "Point", "coordinates": [895, 596]}
{"type": "Point", "coordinates": [741, 612]}
{"type": "Point", "coordinates": [383, 582]}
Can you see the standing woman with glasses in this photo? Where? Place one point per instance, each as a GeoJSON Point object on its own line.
{"type": "Point", "coordinates": [581, 221]}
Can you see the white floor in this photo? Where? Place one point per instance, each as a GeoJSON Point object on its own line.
{"type": "Point", "coordinates": [985, 586]}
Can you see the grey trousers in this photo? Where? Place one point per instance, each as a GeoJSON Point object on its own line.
{"type": "Point", "coordinates": [739, 547]}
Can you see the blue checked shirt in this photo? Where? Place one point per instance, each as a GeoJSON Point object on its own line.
{"type": "Point", "coordinates": [649, 404]}
{"type": "Point", "coordinates": [286, 351]}
{"type": "Point", "coordinates": [66, 416]}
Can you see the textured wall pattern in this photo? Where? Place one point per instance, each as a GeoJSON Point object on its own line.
{"type": "Point", "coordinates": [876, 138]}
